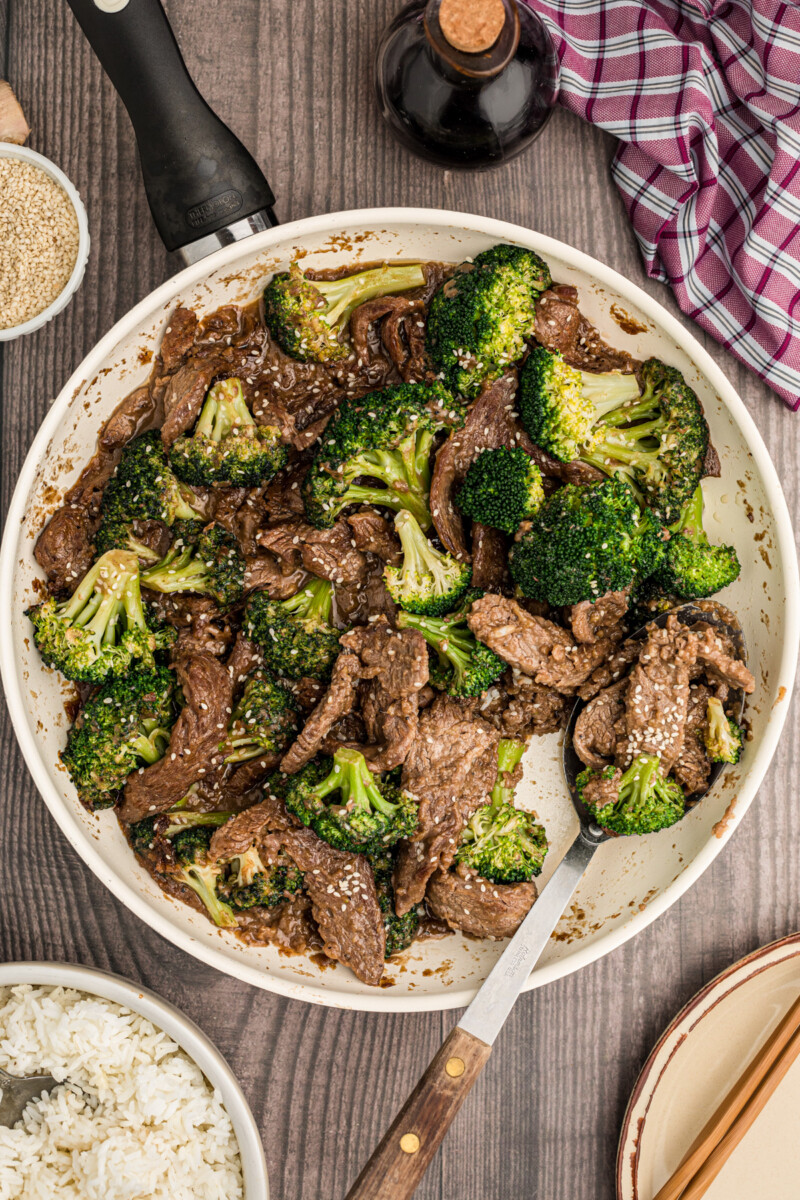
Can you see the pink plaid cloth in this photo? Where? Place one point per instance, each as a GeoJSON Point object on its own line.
{"type": "Point", "coordinates": [704, 96]}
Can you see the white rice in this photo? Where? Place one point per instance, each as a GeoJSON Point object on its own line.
{"type": "Point", "coordinates": [146, 1124]}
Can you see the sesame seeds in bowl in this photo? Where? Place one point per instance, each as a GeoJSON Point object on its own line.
{"type": "Point", "coordinates": [44, 240]}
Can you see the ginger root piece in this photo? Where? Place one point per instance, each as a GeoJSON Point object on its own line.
{"type": "Point", "coordinates": [13, 126]}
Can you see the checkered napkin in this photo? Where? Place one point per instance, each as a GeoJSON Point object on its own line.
{"type": "Point", "coordinates": [704, 96]}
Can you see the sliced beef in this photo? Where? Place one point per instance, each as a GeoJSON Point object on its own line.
{"type": "Point", "coordinates": [184, 394]}
{"type": "Point", "coordinates": [608, 672]}
{"type": "Point", "coordinates": [194, 744]}
{"type": "Point", "coordinates": [245, 657]}
{"type": "Point", "coordinates": [283, 496]}
{"type": "Point", "coordinates": [241, 512]}
{"type": "Point", "coordinates": [202, 628]}
{"type": "Point", "coordinates": [373, 534]}
{"type": "Point", "coordinates": [451, 769]}
{"type": "Point", "coordinates": [394, 669]}
{"type": "Point", "coordinates": [552, 469]}
{"type": "Point", "coordinates": [590, 619]}
{"type": "Point", "coordinates": [595, 735]}
{"type": "Point", "coordinates": [360, 602]}
{"type": "Point", "coordinates": [713, 651]}
{"type": "Point", "coordinates": [263, 573]}
{"type": "Point", "coordinates": [344, 902]}
{"type": "Point", "coordinates": [237, 836]}
{"type": "Point", "coordinates": [600, 791]}
{"type": "Point", "coordinates": [468, 902]}
{"type": "Point", "coordinates": [692, 767]}
{"type": "Point", "coordinates": [178, 338]}
{"type": "Point", "coordinates": [520, 708]}
{"type": "Point", "coordinates": [560, 325]}
{"type": "Point", "coordinates": [489, 558]}
{"type": "Point", "coordinates": [394, 326]}
{"type": "Point", "coordinates": [711, 464]}
{"type": "Point", "coordinates": [339, 699]}
{"type": "Point", "coordinates": [283, 539]}
{"type": "Point", "coordinates": [290, 925]}
{"type": "Point", "coordinates": [65, 547]}
{"type": "Point", "coordinates": [657, 697]}
{"type": "Point", "coordinates": [535, 646]}
{"type": "Point", "coordinates": [308, 692]}
{"type": "Point", "coordinates": [490, 424]}
{"type": "Point", "coordinates": [332, 554]}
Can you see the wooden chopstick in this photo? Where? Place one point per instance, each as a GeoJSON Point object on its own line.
{"type": "Point", "coordinates": [719, 1129]}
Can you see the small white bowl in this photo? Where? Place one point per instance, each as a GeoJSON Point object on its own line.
{"type": "Point", "coordinates": [188, 1036]}
{"type": "Point", "coordinates": [7, 150]}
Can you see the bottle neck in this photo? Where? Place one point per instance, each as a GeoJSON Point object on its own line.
{"type": "Point", "coordinates": [474, 64]}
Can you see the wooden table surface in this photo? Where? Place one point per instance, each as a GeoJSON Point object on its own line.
{"type": "Point", "coordinates": [293, 79]}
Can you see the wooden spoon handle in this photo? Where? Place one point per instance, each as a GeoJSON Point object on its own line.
{"type": "Point", "coordinates": [403, 1156]}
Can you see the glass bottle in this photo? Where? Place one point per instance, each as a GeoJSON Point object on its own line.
{"type": "Point", "coordinates": [466, 107]}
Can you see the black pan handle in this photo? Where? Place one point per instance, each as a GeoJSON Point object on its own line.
{"type": "Point", "coordinates": [199, 178]}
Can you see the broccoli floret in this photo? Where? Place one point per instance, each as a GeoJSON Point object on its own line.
{"type": "Point", "coordinates": [213, 567]}
{"type": "Point", "coordinates": [307, 317]}
{"type": "Point", "coordinates": [227, 447]}
{"type": "Point", "coordinates": [463, 666]}
{"type": "Point", "coordinates": [656, 441]}
{"type": "Point", "coordinates": [639, 801]}
{"type": "Point", "coordinates": [586, 541]}
{"type": "Point", "coordinates": [100, 630]}
{"type": "Point", "coordinates": [502, 843]}
{"type": "Point", "coordinates": [345, 805]}
{"type": "Point", "coordinates": [295, 636]}
{"type": "Point", "coordinates": [478, 321]}
{"type": "Point", "coordinates": [648, 601]}
{"type": "Point", "coordinates": [125, 726]}
{"type": "Point", "coordinates": [692, 567]}
{"type": "Point", "coordinates": [400, 931]}
{"type": "Point", "coordinates": [194, 868]}
{"type": "Point", "coordinates": [502, 488]}
{"type": "Point", "coordinates": [250, 882]}
{"type": "Point", "coordinates": [144, 488]}
{"type": "Point", "coordinates": [386, 436]}
{"type": "Point", "coordinates": [146, 833]}
{"type": "Point", "coordinates": [428, 581]}
{"type": "Point", "coordinates": [723, 738]}
{"type": "Point", "coordinates": [263, 721]}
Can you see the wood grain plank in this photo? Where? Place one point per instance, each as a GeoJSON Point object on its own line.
{"type": "Point", "coordinates": [294, 81]}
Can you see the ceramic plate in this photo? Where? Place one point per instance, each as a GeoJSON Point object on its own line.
{"type": "Point", "coordinates": [699, 1058]}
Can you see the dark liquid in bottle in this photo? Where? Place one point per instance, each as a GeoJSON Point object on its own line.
{"type": "Point", "coordinates": [446, 115]}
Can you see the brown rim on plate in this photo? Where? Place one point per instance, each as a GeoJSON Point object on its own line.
{"type": "Point", "coordinates": [632, 1160]}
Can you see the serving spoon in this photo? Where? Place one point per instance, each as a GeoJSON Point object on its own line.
{"type": "Point", "coordinates": [402, 1157]}
{"type": "Point", "coordinates": [18, 1091]}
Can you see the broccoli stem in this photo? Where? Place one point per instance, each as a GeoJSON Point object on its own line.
{"type": "Point", "coordinates": [352, 778]}
{"type": "Point", "coordinates": [419, 556]}
{"type": "Point", "coordinates": [202, 881]}
{"type": "Point", "coordinates": [608, 391]}
{"type": "Point", "coordinates": [634, 786]}
{"type": "Point", "coordinates": [178, 571]}
{"type": "Point", "coordinates": [223, 411]}
{"type": "Point", "coordinates": [397, 499]}
{"type": "Point", "coordinates": [180, 820]}
{"type": "Point", "coordinates": [509, 753]}
{"type": "Point", "coordinates": [343, 295]}
{"type": "Point", "coordinates": [313, 603]}
{"type": "Point", "coordinates": [109, 589]}
{"type": "Point", "coordinates": [454, 644]}
{"type": "Point", "coordinates": [690, 522]}
{"type": "Point", "coordinates": [151, 746]}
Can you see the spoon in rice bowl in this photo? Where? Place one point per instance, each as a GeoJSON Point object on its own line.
{"type": "Point", "coordinates": [18, 1091]}
{"type": "Point", "coordinates": [398, 1164]}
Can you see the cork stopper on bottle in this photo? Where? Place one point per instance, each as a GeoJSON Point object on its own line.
{"type": "Point", "coordinates": [472, 26]}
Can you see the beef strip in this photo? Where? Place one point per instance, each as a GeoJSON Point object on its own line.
{"type": "Point", "coordinates": [202, 628]}
{"type": "Point", "coordinates": [236, 836]}
{"type": "Point", "coordinates": [245, 657]}
{"type": "Point", "coordinates": [595, 736]}
{"type": "Point", "coordinates": [713, 651]}
{"type": "Point", "coordinates": [290, 925]}
{"type": "Point", "coordinates": [263, 573]}
{"type": "Point", "coordinates": [590, 619]}
{"type": "Point", "coordinates": [612, 669]}
{"type": "Point", "coordinates": [394, 669]}
{"type": "Point", "coordinates": [339, 699]}
{"type": "Point", "coordinates": [344, 902]}
{"type": "Point", "coordinates": [489, 558]}
{"type": "Point", "coordinates": [194, 743]}
{"type": "Point", "coordinates": [536, 646]}
{"type": "Point", "coordinates": [657, 696]}
{"type": "Point", "coordinates": [373, 534]}
{"type": "Point", "coordinates": [360, 602]}
{"type": "Point", "coordinates": [468, 902]}
{"type": "Point", "coordinates": [692, 766]}
{"type": "Point", "coordinates": [332, 554]}
{"type": "Point", "coordinates": [402, 325]}
{"type": "Point", "coordinates": [520, 708]}
{"type": "Point", "coordinates": [241, 512]}
{"type": "Point", "coordinates": [184, 394]}
{"type": "Point", "coordinates": [560, 325]}
{"type": "Point", "coordinates": [178, 338]}
{"type": "Point", "coordinates": [451, 769]}
{"type": "Point", "coordinates": [490, 423]}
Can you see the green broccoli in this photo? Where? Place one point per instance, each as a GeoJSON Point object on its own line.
{"type": "Point", "coordinates": [145, 834]}
{"type": "Point", "coordinates": [639, 801]}
{"type": "Point", "coordinates": [213, 567]}
{"type": "Point", "coordinates": [656, 441]}
{"type": "Point", "coordinates": [125, 726]}
{"type": "Point", "coordinates": [144, 488]}
{"type": "Point", "coordinates": [502, 488]}
{"type": "Point", "coordinates": [101, 629]}
{"type": "Point", "coordinates": [194, 868]}
{"type": "Point", "coordinates": [648, 601]}
{"type": "Point", "coordinates": [307, 317]}
{"type": "Point", "coordinates": [295, 636]}
{"type": "Point", "coordinates": [502, 843]}
{"type": "Point", "coordinates": [387, 437]}
{"type": "Point", "coordinates": [429, 581]}
{"type": "Point", "coordinates": [692, 567]}
{"type": "Point", "coordinates": [400, 931]}
{"type": "Point", "coordinates": [227, 447]}
{"type": "Point", "coordinates": [462, 665]}
{"type": "Point", "coordinates": [345, 805]}
{"type": "Point", "coordinates": [249, 882]}
{"type": "Point", "coordinates": [722, 737]}
{"type": "Point", "coordinates": [263, 721]}
{"type": "Point", "coordinates": [586, 541]}
{"type": "Point", "coordinates": [478, 321]}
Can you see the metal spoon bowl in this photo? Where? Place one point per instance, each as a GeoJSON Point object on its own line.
{"type": "Point", "coordinates": [18, 1091]}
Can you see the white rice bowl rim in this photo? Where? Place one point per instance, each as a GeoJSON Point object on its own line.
{"type": "Point", "coordinates": [169, 1019]}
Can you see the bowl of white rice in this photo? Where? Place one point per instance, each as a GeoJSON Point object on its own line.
{"type": "Point", "coordinates": [150, 1109]}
